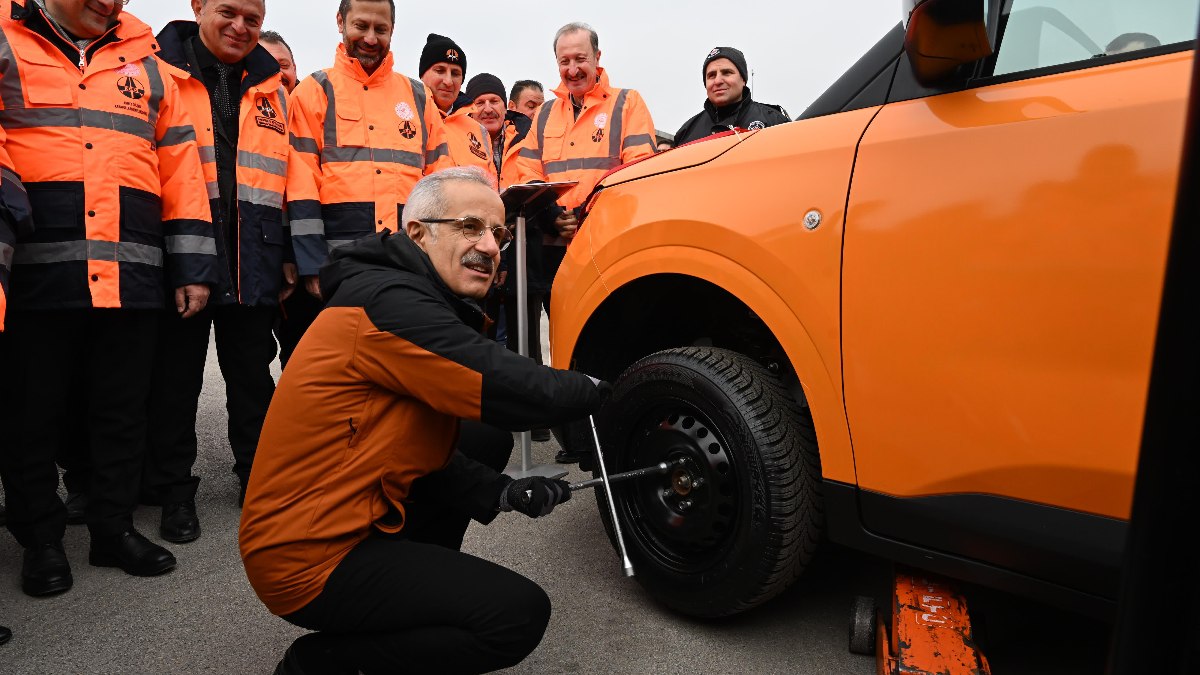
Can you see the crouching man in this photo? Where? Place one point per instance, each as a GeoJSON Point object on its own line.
{"type": "Point", "coordinates": [363, 485]}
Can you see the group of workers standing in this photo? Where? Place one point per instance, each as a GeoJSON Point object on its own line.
{"type": "Point", "coordinates": [156, 188]}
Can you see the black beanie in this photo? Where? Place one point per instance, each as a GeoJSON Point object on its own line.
{"type": "Point", "coordinates": [441, 49]}
{"type": "Point", "coordinates": [734, 55]}
{"type": "Point", "coordinates": [486, 83]}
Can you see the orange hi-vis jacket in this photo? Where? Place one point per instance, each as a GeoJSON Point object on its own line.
{"type": "Point", "coordinates": [359, 144]}
{"type": "Point", "coordinates": [258, 240]}
{"type": "Point", "coordinates": [468, 140]}
{"type": "Point", "coordinates": [613, 128]}
{"type": "Point", "coordinates": [504, 156]}
{"type": "Point", "coordinates": [108, 158]}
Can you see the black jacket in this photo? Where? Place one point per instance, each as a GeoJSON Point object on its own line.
{"type": "Point", "coordinates": [748, 114]}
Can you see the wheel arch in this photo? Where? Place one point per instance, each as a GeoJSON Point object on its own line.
{"type": "Point", "coordinates": [629, 316]}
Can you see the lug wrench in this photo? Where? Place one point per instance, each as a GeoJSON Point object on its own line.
{"type": "Point", "coordinates": [661, 467]}
{"type": "Point", "coordinates": [612, 506]}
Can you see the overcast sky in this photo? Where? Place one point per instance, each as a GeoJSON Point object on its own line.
{"type": "Point", "coordinates": [796, 48]}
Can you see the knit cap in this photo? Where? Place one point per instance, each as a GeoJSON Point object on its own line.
{"type": "Point", "coordinates": [734, 55]}
{"type": "Point", "coordinates": [441, 49]}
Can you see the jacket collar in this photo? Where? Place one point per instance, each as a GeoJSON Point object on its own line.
{"type": "Point", "coordinates": [597, 94]}
{"type": "Point", "coordinates": [173, 48]}
{"type": "Point", "coordinates": [350, 66]}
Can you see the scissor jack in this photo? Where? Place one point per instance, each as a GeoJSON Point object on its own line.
{"type": "Point", "coordinates": [930, 629]}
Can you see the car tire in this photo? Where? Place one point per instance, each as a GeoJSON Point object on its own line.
{"type": "Point", "coordinates": [737, 518]}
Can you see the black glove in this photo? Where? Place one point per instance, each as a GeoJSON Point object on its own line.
{"type": "Point", "coordinates": [603, 388]}
{"type": "Point", "coordinates": [534, 496]}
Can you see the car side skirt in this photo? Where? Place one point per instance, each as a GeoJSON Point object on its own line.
{"type": "Point", "coordinates": [1060, 557]}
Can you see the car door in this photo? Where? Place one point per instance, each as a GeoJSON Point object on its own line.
{"type": "Point", "coordinates": [1004, 254]}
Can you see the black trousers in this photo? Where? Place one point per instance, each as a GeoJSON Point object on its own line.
{"type": "Point", "coordinates": [107, 352]}
{"type": "Point", "coordinates": [298, 313]}
{"type": "Point", "coordinates": [414, 603]}
{"type": "Point", "coordinates": [534, 325]}
{"type": "Point", "coordinates": [245, 350]}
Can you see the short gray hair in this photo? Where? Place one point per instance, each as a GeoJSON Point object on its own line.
{"type": "Point", "coordinates": [428, 196]}
{"type": "Point", "coordinates": [575, 27]}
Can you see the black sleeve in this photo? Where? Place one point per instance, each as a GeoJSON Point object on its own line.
{"type": "Point", "coordinates": [510, 391]}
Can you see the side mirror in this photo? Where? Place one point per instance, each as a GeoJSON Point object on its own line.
{"type": "Point", "coordinates": [941, 35]}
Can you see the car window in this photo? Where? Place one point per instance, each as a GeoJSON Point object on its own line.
{"type": "Point", "coordinates": [1042, 33]}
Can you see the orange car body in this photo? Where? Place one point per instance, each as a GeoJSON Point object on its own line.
{"type": "Point", "coordinates": [965, 285]}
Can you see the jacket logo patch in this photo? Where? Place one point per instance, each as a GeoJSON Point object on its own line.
{"type": "Point", "coordinates": [130, 70]}
{"type": "Point", "coordinates": [267, 117]}
{"type": "Point", "coordinates": [131, 88]}
{"type": "Point", "coordinates": [598, 136]}
{"type": "Point", "coordinates": [756, 125]}
{"type": "Point", "coordinates": [477, 147]}
{"type": "Point", "coordinates": [404, 111]}
{"type": "Point", "coordinates": [601, 120]}
{"type": "Point", "coordinates": [407, 130]}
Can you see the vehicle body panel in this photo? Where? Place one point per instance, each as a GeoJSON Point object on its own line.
{"type": "Point", "coordinates": [994, 345]}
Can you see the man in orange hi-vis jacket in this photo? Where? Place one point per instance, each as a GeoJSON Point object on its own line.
{"type": "Point", "coordinates": [442, 68]}
{"type": "Point", "coordinates": [362, 136]}
{"type": "Point", "coordinates": [589, 129]}
{"type": "Point", "coordinates": [120, 229]}
{"type": "Point", "coordinates": [235, 86]}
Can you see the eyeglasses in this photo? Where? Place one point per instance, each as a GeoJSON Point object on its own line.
{"type": "Point", "coordinates": [473, 229]}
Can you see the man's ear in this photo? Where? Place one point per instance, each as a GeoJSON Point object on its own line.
{"type": "Point", "coordinates": [417, 232]}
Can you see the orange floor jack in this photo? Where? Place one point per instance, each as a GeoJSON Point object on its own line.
{"type": "Point", "coordinates": [930, 630]}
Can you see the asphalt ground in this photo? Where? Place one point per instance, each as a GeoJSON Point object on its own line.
{"type": "Point", "coordinates": [204, 618]}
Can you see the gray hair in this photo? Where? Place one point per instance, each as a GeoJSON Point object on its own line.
{"type": "Point", "coordinates": [575, 27]}
{"type": "Point", "coordinates": [428, 196]}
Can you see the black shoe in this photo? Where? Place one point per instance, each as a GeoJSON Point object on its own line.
{"type": "Point", "coordinates": [568, 457]}
{"type": "Point", "coordinates": [45, 570]}
{"type": "Point", "coordinates": [540, 435]}
{"type": "Point", "coordinates": [179, 523]}
{"type": "Point", "coordinates": [133, 553]}
{"type": "Point", "coordinates": [77, 503]}
{"type": "Point", "coordinates": [5, 635]}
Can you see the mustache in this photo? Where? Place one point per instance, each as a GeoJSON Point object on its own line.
{"type": "Point", "coordinates": [479, 260]}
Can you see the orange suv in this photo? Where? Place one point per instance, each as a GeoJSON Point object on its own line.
{"type": "Point", "coordinates": [918, 321]}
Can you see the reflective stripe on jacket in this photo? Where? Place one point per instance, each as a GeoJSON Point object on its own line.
{"type": "Point", "coordinates": [259, 234]}
{"type": "Point", "coordinates": [359, 144]}
{"type": "Point", "coordinates": [613, 128]}
{"type": "Point", "coordinates": [468, 140]}
{"type": "Point", "coordinates": [108, 159]}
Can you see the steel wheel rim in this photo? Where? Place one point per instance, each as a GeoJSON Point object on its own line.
{"type": "Point", "coordinates": [683, 519]}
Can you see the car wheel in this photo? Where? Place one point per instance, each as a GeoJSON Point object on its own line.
{"type": "Point", "coordinates": [738, 516]}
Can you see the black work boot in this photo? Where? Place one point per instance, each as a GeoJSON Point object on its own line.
{"type": "Point", "coordinates": [45, 570]}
